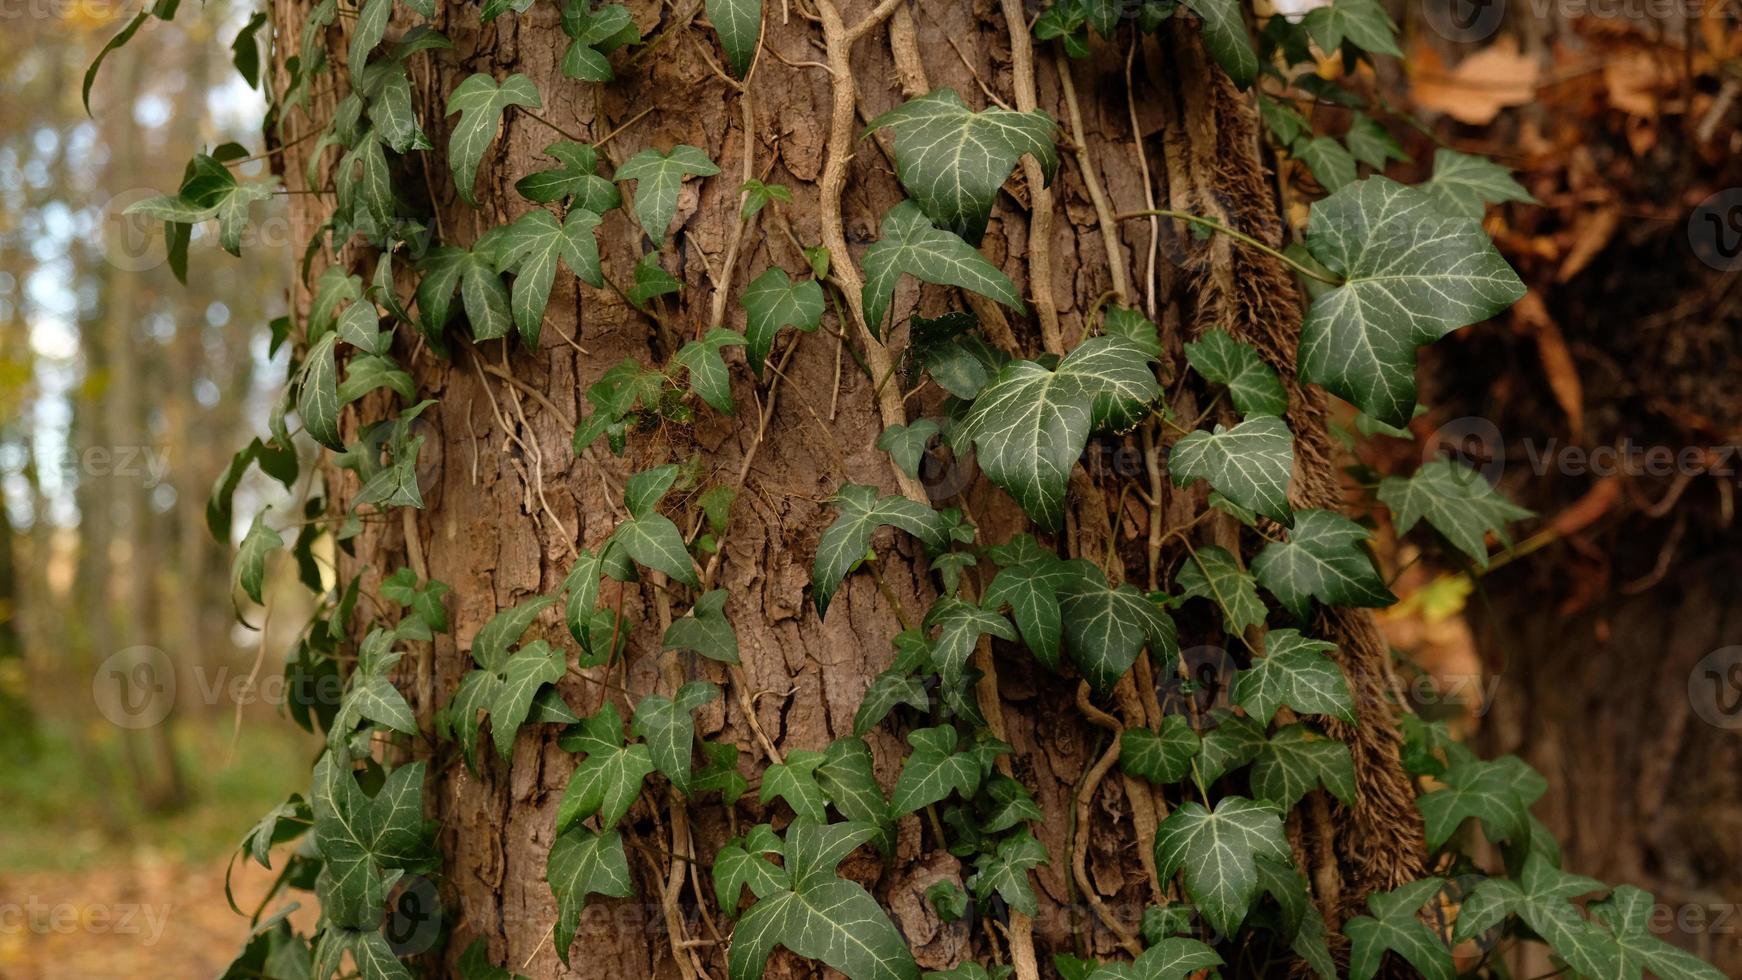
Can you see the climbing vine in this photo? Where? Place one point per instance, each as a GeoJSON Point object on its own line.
{"type": "Point", "coordinates": [1389, 268]}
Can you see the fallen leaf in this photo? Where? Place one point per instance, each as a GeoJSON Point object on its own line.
{"type": "Point", "coordinates": [1479, 87]}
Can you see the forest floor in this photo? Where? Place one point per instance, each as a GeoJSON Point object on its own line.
{"type": "Point", "coordinates": [91, 887]}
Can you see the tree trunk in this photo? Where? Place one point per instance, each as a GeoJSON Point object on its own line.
{"type": "Point", "coordinates": [506, 502]}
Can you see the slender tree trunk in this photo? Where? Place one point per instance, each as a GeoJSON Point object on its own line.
{"type": "Point", "coordinates": [507, 502]}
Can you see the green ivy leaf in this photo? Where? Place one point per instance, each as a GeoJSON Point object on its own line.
{"type": "Point", "coordinates": [1217, 851]}
{"type": "Point", "coordinates": [757, 196]}
{"type": "Point", "coordinates": [651, 280]}
{"type": "Point", "coordinates": [848, 776]}
{"type": "Point", "coordinates": [1214, 574]}
{"type": "Point", "coordinates": [1162, 757]}
{"type": "Point", "coordinates": [317, 399]}
{"type": "Point", "coordinates": [932, 771]}
{"type": "Point", "coordinates": [1463, 185]}
{"type": "Point", "coordinates": [1030, 424]}
{"type": "Point", "coordinates": [1297, 760]}
{"type": "Point", "coordinates": [475, 964]}
{"type": "Point", "coordinates": [370, 695]}
{"type": "Point", "coordinates": [593, 35]}
{"type": "Point", "coordinates": [1457, 501]}
{"type": "Point", "coordinates": [609, 778]}
{"type": "Point", "coordinates": [1370, 142]}
{"type": "Point", "coordinates": [1285, 122]}
{"type": "Point", "coordinates": [888, 689]}
{"type": "Point", "coordinates": [706, 630]}
{"type": "Point", "coordinates": [720, 772]}
{"type": "Point", "coordinates": [1174, 958]}
{"type": "Point", "coordinates": [1006, 803]}
{"type": "Point", "coordinates": [906, 444]}
{"type": "Point", "coordinates": [656, 543]}
{"type": "Point", "coordinates": [848, 539]}
{"type": "Point", "coordinates": [362, 838]}
{"type": "Point", "coordinates": [1394, 926]}
{"type": "Point", "coordinates": [1106, 628]}
{"type": "Point", "coordinates": [1229, 741]}
{"type": "Point", "coordinates": [1249, 463]}
{"type": "Point", "coordinates": [960, 625]}
{"type": "Point", "coordinates": [668, 727]}
{"type": "Point", "coordinates": [1294, 671]}
{"type": "Point", "coordinates": [1225, 37]}
{"type": "Point", "coordinates": [911, 244]}
{"type": "Point", "coordinates": [576, 181]}
{"type": "Point", "coordinates": [1627, 913]}
{"type": "Point", "coordinates": [1332, 165]}
{"type": "Point", "coordinates": [741, 864]}
{"type": "Point", "coordinates": [709, 377]}
{"type": "Point", "coordinates": [584, 863]}
{"type": "Point", "coordinates": [480, 103]}
{"type": "Point", "coordinates": [1322, 559]}
{"type": "Point", "coordinates": [821, 916]}
{"type": "Point", "coordinates": [1029, 581]}
{"type": "Point", "coordinates": [658, 177]}
{"type": "Point", "coordinates": [250, 567]}
{"type": "Point", "coordinates": [739, 24]}
{"type": "Point", "coordinates": [1363, 22]}
{"type": "Point", "coordinates": [953, 160]}
{"type": "Point", "coordinates": [530, 248]}
{"type": "Point", "coordinates": [208, 191]}
{"type": "Point", "coordinates": [1498, 793]}
{"type": "Point", "coordinates": [1412, 275]}
{"type": "Point", "coordinates": [795, 781]}
{"type": "Point", "coordinates": [523, 674]}
{"type": "Point", "coordinates": [1004, 871]}
{"type": "Point", "coordinates": [1252, 384]}
{"type": "Point", "coordinates": [773, 301]}
{"type": "Point", "coordinates": [483, 293]}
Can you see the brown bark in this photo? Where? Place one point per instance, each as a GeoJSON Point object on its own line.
{"type": "Point", "coordinates": [507, 502]}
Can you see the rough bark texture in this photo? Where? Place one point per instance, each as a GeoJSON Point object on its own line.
{"type": "Point", "coordinates": [507, 501]}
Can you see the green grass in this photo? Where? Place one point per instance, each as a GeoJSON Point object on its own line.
{"type": "Point", "coordinates": [68, 808]}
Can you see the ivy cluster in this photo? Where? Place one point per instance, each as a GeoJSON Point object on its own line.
{"type": "Point", "coordinates": [1389, 267]}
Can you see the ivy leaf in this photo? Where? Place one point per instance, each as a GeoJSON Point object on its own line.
{"type": "Point", "coordinates": [1217, 851]}
{"type": "Point", "coordinates": [668, 727]}
{"type": "Point", "coordinates": [1030, 424]}
{"type": "Point", "coordinates": [1249, 463]}
{"type": "Point", "coordinates": [1214, 574]}
{"type": "Point", "coordinates": [1252, 384]}
{"type": "Point", "coordinates": [1174, 958]}
{"type": "Point", "coordinates": [1363, 22]}
{"type": "Point", "coordinates": [1225, 37]}
{"type": "Point", "coordinates": [773, 301]}
{"type": "Point", "coordinates": [821, 916]}
{"type": "Point", "coordinates": [1394, 926]}
{"type": "Point", "coordinates": [739, 24]}
{"type": "Point", "coordinates": [523, 674]}
{"type": "Point", "coordinates": [1457, 501]}
{"type": "Point", "coordinates": [888, 689]}
{"type": "Point", "coordinates": [480, 103]}
{"type": "Point", "coordinates": [593, 35]}
{"type": "Point", "coordinates": [1295, 672]}
{"type": "Point", "coordinates": [1332, 165]}
{"type": "Point", "coordinates": [1105, 628]}
{"type": "Point", "coordinates": [1162, 757]}
{"type": "Point", "coordinates": [1007, 803]}
{"type": "Point", "coordinates": [911, 244]}
{"type": "Point", "coordinates": [932, 771]}
{"type": "Point", "coordinates": [651, 280]}
{"type": "Point", "coordinates": [1296, 760]}
{"type": "Point", "coordinates": [1029, 581]}
{"type": "Point", "coordinates": [1412, 275]}
{"type": "Point", "coordinates": [960, 361]}
{"type": "Point", "coordinates": [741, 864]}
{"type": "Point", "coordinates": [370, 695]}
{"type": "Point", "coordinates": [584, 863]}
{"type": "Point", "coordinates": [757, 195]}
{"type": "Point", "coordinates": [1322, 559]}
{"type": "Point", "coordinates": [1498, 793]}
{"type": "Point", "coordinates": [473, 273]}
{"type": "Point", "coordinates": [317, 398]}
{"type": "Point", "coordinates": [1285, 122]}
{"type": "Point", "coordinates": [960, 625]}
{"type": "Point", "coordinates": [795, 781]}
{"type": "Point", "coordinates": [953, 160]}
{"type": "Point", "coordinates": [1463, 185]}
{"type": "Point", "coordinates": [475, 963]}
{"type": "Point", "coordinates": [709, 377]}
{"type": "Point", "coordinates": [848, 777]}
{"type": "Point", "coordinates": [250, 568]}
{"type": "Point", "coordinates": [362, 838]}
{"type": "Point", "coordinates": [1370, 142]}
{"type": "Point", "coordinates": [609, 778]}
{"type": "Point", "coordinates": [576, 181]}
{"type": "Point", "coordinates": [720, 772]}
{"type": "Point", "coordinates": [530, 248]}
{"type": "Point", "coordinates": [847, 540]}
{"type": "Point", "coordinates": [706, 630]}
{"type": "Point", "coordinates": [906, 444]}
{"type": "Point", "coordinates": [1627, 912]}
{"type": "Point", "coordinates": [490, 645]}
{"type": "Point", "coordinates": [285, 822]}
{"type": "Point", "coordinates": [209, 190]}
{"type": "Point", "coordinates": [280, 464]}
{"type": "Point", "coordinates": [656, 543]}
{"type": "Point", "coordinates": [658, 177]}
{"type": "Point", "coordinates": [1229, 742]}
{"type": "Point", "coordinates": [1004, 871]}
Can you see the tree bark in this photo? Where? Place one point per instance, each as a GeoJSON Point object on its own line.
{"type": "Point", "coordinates": [507, 502]}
